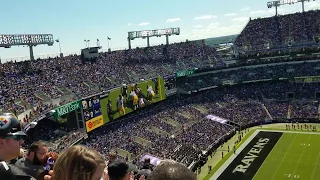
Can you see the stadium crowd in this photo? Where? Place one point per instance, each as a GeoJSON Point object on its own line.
{"type": "Point", "coordinates": [263, 33]}
{"type": "Point", "coordinates": [53, 77]}
{"type": "Point", "coordinates": [174, 129]}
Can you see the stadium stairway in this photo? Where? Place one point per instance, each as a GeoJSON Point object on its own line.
{"type": "Point", "coordinates": [142, 141]}
{"type": "Point", "coordinates": [158, 131]}
{"type": "Point", "coordinates": [64, 90]}
{"type": "Point", "coordinates": [289, 111]}
{"type": "Point", "coordinates": [201, 109]}
{"type": "Point", "coordinates": [171, 122]}
{"type": "Point", "coordinates": [41, 95]}
{"type": "Point", "coordinates": [268, 113]}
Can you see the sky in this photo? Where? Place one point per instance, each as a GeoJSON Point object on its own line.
{"type": "Point", "coordinates": [73, 21]}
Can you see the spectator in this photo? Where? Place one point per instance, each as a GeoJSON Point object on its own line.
{"type": "Point", "coordinates": [11, 139]}
{"type": "Point", "coordinates": [168, 170]}
{"type": "Point", "coordinates": [79, 162]}
{"type": "Point", "coordinates": [32, 164]}
{"type": "Point", "coordinates": [119, 170]}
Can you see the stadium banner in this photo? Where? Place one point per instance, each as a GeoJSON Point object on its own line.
{"type": "Point", "coordinates": [65, 109]}
{"type": "Point", "coordinates": [94, 123]}
{"type": "Point", "coordinates": [217, 119]}
{"type": "Point", "coordinates": [185, 72]}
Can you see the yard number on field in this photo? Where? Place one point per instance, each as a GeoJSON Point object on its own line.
{"type": "Point", "coordinates": [292, 176]}
{"type": "Point", "coordinates": [304, 144]}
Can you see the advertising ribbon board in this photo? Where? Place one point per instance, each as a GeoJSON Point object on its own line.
{"type": "Point", "coordinates": [65, 109]}
{"type": "Point", "coordinates": [94, 123]}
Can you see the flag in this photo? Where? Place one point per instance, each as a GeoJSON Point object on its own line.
{"type": "Point", "coordinates": [108, 38]}
{"type": "Point", "coordinates": [57, 40]}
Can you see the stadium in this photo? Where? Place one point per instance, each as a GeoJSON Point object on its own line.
{"type": "Point", "coordinates": [243, 106]}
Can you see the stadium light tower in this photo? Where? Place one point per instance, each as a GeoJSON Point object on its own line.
{"type": "Point", "coordinates": [30, 40]}
{"type": "Point", "coordinates": [152, 33]}
{"type": "Point", "coordinates": [279, 3]}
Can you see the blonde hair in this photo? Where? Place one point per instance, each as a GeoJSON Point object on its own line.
{"type": "Point", "coordinates": [77, 163]}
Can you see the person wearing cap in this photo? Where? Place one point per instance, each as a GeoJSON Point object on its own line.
{"type": "Point", "coordinates": [11, 139]}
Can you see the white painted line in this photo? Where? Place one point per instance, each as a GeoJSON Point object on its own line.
{"type": "Point", "coordinates": [275, 172]}
{"type": "Point", "coordinates": [300, 157]}
{"type": "Point", "coordinates": [315, 166]}
{"type": "Point", "coordinates": [233, 156]}
{"type": "Point", "coordinates": [267, 157]}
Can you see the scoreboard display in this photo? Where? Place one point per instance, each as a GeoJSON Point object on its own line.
{"type": "Point", "coordinates": [92, 114]}
{"type": "Point", "coordinates": [149, 33]}
{"type": "Point", "coordinates": [26, 39]}
{"type": "Point", "coordinates": [91, 107]}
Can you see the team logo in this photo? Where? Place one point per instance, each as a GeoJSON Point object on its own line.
{"type": "Point", "coordinates": [4, 123]}
{"type": "Point", "coordinates": [84, 105]}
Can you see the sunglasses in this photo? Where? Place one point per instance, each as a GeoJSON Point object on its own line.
{"type": "Point", "coordinates": [15, 137]}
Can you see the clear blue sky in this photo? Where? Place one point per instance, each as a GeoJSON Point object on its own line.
{"type": "Point", "coordinates": [73, 21]}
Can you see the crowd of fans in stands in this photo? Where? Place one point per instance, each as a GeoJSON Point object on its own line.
{"type": "Point", "coordinates": [27, 81]}
{"type": "Point", "coordinates": [263, 33]}
{"type": "Point", "coordinates": [176, 128]}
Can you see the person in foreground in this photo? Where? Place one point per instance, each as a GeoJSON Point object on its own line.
{"type": "Point", "coordinates": [171, 170]}
{"type": "Point", "coordinates": [32, 164]}
{"type": "Point", "coordinates": [11, 139]}
{"type": "Point", "coordinates": [79, 163]}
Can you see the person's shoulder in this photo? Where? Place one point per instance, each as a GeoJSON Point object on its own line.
{"type": "Point", "coordinates": [5, 171]}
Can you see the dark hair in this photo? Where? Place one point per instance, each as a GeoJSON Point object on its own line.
{"type": "Point", "coordinates": [35, 146]}
{"type": "Point", "coordinates": [172, 171]}
{"type": "Point", "coordinates": [147, 160]}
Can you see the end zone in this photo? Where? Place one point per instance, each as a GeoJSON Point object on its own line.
{"type": "Point", "coordinates": [249, 157]}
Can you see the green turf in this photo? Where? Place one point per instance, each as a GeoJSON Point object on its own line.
{"type": "Point", "coordinates": [222, 161]}
{"type": "Point", "coordinates": [295, 156]}
{"type": "Point", "coordinates": [226, 157]}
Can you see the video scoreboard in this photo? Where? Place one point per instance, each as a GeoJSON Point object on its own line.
{"type": "Point", "coordinates": [92, 112]}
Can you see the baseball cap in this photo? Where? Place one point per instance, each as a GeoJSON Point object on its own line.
{"type": "Point", "coordinates": [10, 125]}
{"type": "Point", "coordinates": [118, 169]}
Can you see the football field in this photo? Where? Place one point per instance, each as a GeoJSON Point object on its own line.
{"type": "Point", "coordinates": [276, 156]}
{"type": "Point", "coordinates": [295, 156]}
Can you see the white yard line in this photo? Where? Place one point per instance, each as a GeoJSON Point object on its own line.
{"type": "Point", "coordinates": [300, 157]}
{"type": "Point", "coordinates": [317, 133]}
{"type": "Point", "coordinates": [315, 167]}
{"type": "Point", "coordinates": [275, 172]}
{"type": "Point", "coordinates": [233, 156]}
{"type": "Point", "coordinates": [267, 157]}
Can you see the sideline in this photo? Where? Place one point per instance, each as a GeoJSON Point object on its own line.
{"type": "Point", "coordinates": [233, 156]}
{"type": "Point", "coordinates": [223, 164]}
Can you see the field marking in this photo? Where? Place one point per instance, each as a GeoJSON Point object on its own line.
{"type": "Point", "coordinates": [301, 156]}
{"type": "Point", "coordinates": [275, 172]}
{"type": "Point", "coordinates": [315, 166]}
{"type": "Point", "coordinates": [316, 133]}
{"type": "Point", "coordinates": [233, 156]}
{"type": "Point", "coordinates": [267, 157]}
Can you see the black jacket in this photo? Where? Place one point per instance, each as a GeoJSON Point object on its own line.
{"type": "Point", "coordinates": [11, 172]}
